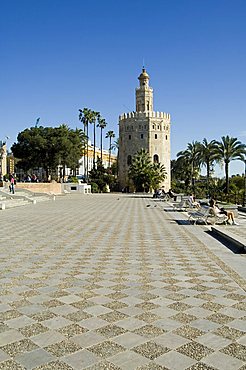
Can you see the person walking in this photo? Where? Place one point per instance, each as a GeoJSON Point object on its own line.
{"type": "Point", "coordinates": [12, 184]}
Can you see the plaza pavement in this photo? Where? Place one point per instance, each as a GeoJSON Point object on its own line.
{"type": "Point", "coordinates": [115, 282]}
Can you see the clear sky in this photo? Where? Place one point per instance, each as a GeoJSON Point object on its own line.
{"type": "Point", "coordinates": [57, 56]}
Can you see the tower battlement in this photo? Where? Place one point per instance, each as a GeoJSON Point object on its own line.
{"type": "Point", "coordinates": [149, 114]}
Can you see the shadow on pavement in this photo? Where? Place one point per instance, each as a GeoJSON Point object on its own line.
{"type": "Point", "coordinates": [234, 248]}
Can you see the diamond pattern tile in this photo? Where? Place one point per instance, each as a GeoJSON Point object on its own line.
{"type": "Point", "coordinates": [134, 290]}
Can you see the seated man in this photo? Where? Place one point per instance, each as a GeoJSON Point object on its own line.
{"type": "Point", "coordinates": [218, 211]}
{"type": "Point", "coordinates": [193, 202]}
{"type": "Point", "coordinates": [172, 195]}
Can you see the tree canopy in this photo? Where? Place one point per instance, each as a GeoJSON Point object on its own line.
{"type": "Point", "coordinates": [48, 147]}
{"type": "Point", "coordinates": [144, 173]}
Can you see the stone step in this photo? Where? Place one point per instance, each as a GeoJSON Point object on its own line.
{"type": "Point", "coordinates": [11, 203]}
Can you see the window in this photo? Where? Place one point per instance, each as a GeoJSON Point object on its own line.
{"type": "Point", "coordinates": [130, 137]}
{"type": "Point", "coordinates": [158, 127]}
{"type": "Point", "coordinates": [166, 137]}
{"type": "Point", "coordinates": [140, 127]}
{"type": "Point", "coordinates": [156, 158]}
{"type": "Point", "coordinates": [129, 160]}
{"type": "Point", "coordinates": [155, 136]}
{"type": "Point", "coordinates": [141, 136]}
{"type": "Point", "coordinates": [153, 126]}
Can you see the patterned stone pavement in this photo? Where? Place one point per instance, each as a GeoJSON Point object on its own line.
{"type": "Point", "coordinates": [106, 282]}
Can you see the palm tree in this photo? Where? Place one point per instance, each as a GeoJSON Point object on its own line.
{"type": "Point", "coordinates": [228, 149]}
{"type": "Point", "coordinates": [158, 174]}
{"type": "Point", "coordinates": [86, 116]}
{"type": "Point", "coordinates": [110, 135]}
{"type": "Point", "coordinates": [139, 170]}
{"type": "Point", "coordinates": [209, 155]}
{"type": "Point", "coordinates": [102, 124]}
{"type": "Point", "coordinates": [144, 173]}
{"type": "Point", "coordinates": [115, 146]}
{"type": "Point", "coordinates": [192, 158]}
{"type": "Point", "coordinates": [95, 118]}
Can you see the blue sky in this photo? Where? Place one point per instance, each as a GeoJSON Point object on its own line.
{"type": "Point", "coordinates": [57, 56]}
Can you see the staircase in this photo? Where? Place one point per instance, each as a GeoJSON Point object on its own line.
{"type": "Point", "coordinates": [20, 198]}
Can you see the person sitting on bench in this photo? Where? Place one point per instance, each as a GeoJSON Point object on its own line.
{"type": "Point", "coordinates": [217, 211]}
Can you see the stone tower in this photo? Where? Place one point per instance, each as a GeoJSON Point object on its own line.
{"type": "Point", "coordinates": [144, 129]}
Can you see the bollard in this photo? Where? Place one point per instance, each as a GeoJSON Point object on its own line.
{"type": "Point", "coordinates": [2, 206]}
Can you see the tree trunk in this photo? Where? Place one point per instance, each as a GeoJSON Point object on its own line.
{"type": "Point", "coordinates": [87, 151]}
{"type": "Point", "coordinates": [101, 144]}
{"type": "Point", "coordinates": [227, 177]}
{"type": "Point", "coordinates": [63, 172]}
{"type": "Point", "coordinates": [208, 173]}
{"type": "Point", "coordinates": [84, 152]}
{"type": "Point", "coordinates": [109, 151]}
{"type": "Point", "coordinates": [94, 152]}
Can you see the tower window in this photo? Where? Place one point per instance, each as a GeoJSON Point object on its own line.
{"type": "Point", "coordinates": [166, 137]}
{"type": "Point", "coordinates": [130, 137]}
{"type": "Point", "coordinates": [156, 158]}
{"type": "Point", "coordinates": [153, 126]}
{"type": "Point", "coordinates": [158, 127]}
{"type": "Point", "coordinates": [141, 136]}
{"type": "Point", "coordinates": [155, 136]}
{"type": "Point", "coordinates": [140, 127]}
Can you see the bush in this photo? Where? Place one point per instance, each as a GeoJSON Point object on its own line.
{"type": "Point", "coordinates": [94, 187]}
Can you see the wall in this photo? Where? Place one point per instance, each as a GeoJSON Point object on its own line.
{"type": "Point", "coordinates": [41, 187]}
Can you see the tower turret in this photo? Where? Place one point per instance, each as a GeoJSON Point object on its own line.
{"type": "Point", "coordinates": [144, 93]}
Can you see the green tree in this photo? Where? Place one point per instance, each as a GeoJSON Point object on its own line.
{"type": "Point", "coordinates": [70, 146]}
{"type": "Point", "coordinates": [228, 149]}
{"type": "Point", "coordinates": [96, 118]}
{"type": "Point", "coordinates": [191, 157]}
{"type": "Point", "coordinates": [48, 147]}
{"type": "Point", "coordinates": [101, 124]}
{"type": "Point", "coordinates": [110, 135]}
{"type": "Point", "coordinates": [157, 175]}
{"type": "Point", "coordinates": [115, 146]}
{"type": "Point", "coordinates": [144, 173]}
{"type": "Point", "coordinates": [87, 116]}
{"type": "Point", "coordinates": [99, 176]}
{"type": "Point", "coordinates": [209, 155]}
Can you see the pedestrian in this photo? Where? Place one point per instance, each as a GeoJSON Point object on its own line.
{"type": "Point", "coordinates": [12, 184]}
{"type": "Point", "coordinates": [172, 195]}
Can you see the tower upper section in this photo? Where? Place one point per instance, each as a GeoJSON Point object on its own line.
{"type": "Point", "coordinates": [144, 93]}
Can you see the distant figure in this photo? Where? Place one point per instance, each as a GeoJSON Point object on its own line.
{"type": "Point", "coordinates": [217, 210]}
{"type": "Point", "coordinates": [157, 193]}
{"type": "Point", "coordinates": [172, 195]}
{"type": "Point", "coordinates": [12, 184]}
{"type": "Point", "coordinates": [193, 201]}
{"type": "Point", "coordinates": [34, 178]}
